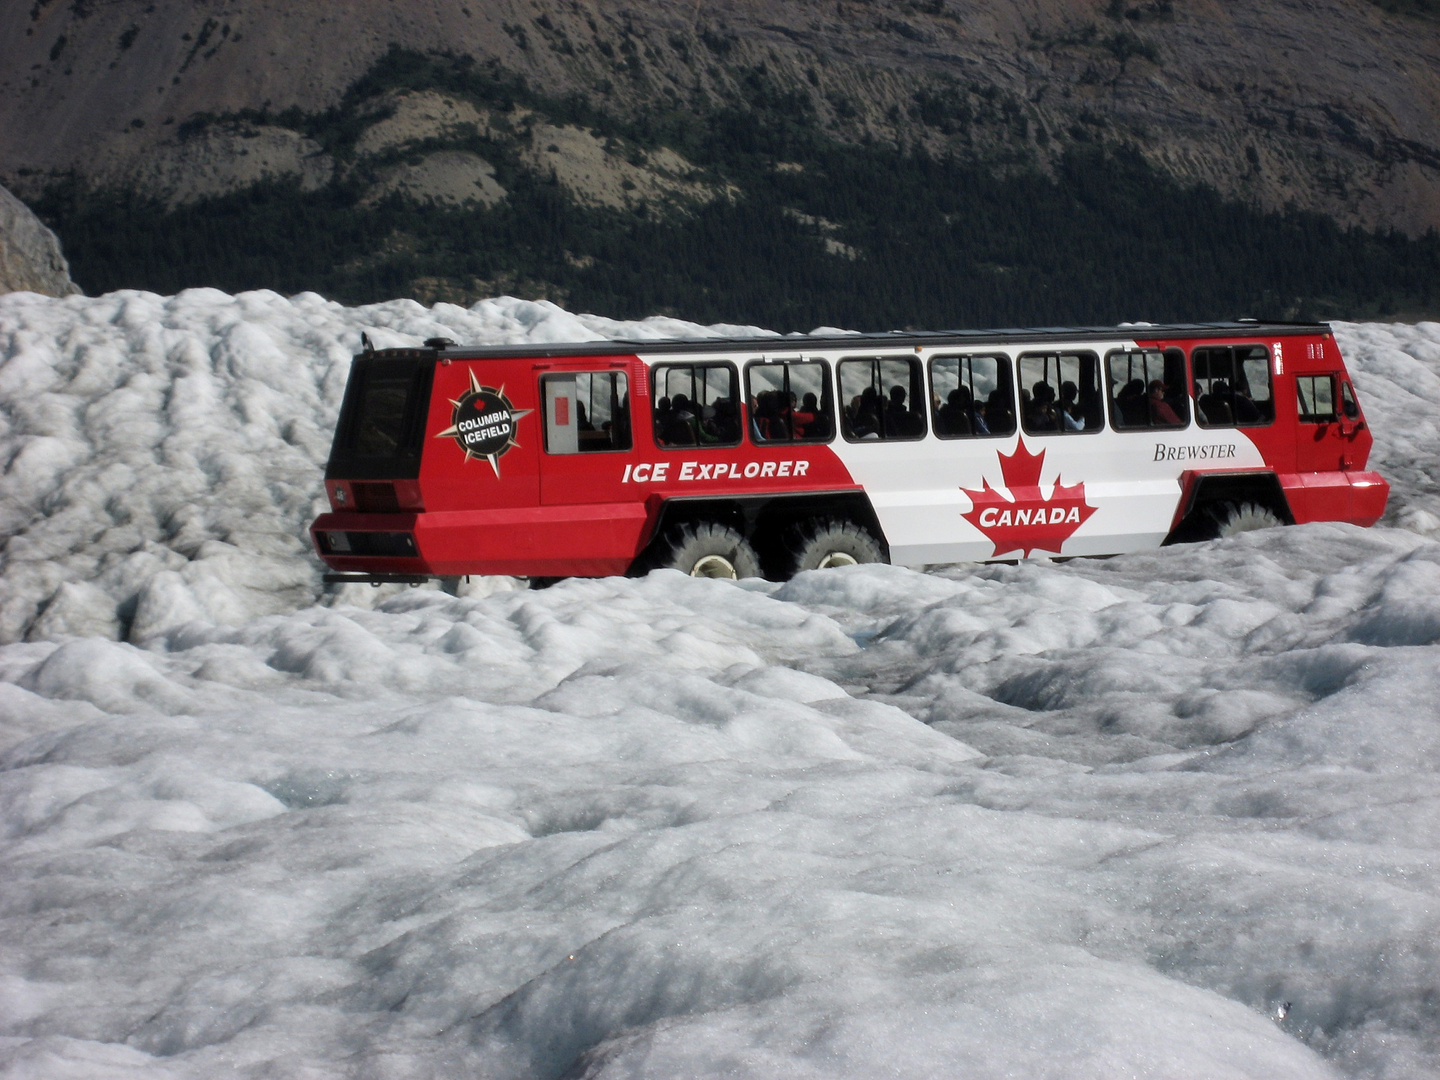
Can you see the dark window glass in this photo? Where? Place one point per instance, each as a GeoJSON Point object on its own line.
{"type": "Point", "coordinates": [1060, 393]}
{"type": "Point", "coordinates": [1147, 389]}
{"type": "Point", "coordinates": [380, 418]}
{"type": "Point", "coordinates": [1348, 402]}
{"type": "Point", "coordinates": [696, 405]}
{"type": "Point", "coordinates": [1317, 398]}
{"type": "Point", "coordinates": [972, 396]}
{"type": "Point", "coordinates": [380, 431]}
{"type": "Point", "coordinates": [790, 401]}
{"type": "Point", "coordinates": [884, 398]}
{"type": "Point", "coordinates": [1232, 385]}
{"type": "Point", "coordinates": [586, 411]}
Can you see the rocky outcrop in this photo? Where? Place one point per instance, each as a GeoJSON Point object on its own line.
{"type": "Point", "coordinates": [1325, 105]}
{"type": "Point", "coordinates": [30, 257]}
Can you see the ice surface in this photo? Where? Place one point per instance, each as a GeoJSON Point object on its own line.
{"type": "Point", "coordinates": [1071, 820]}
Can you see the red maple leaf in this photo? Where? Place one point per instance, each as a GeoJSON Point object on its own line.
{"type": "Point", "coordinates": [1028, 521]}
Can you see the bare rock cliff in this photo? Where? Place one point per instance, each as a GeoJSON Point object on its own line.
{"type": "Point", "coordinates": [1328, 105]}
{"type": "Point", "coordinates": [30, 258]}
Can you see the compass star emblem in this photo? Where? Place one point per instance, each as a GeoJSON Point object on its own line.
{"type": "Point", "coordinates": [483, 423]}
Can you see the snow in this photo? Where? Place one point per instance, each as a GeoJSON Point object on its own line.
{"type": "Point", "coordinates": [1081, 819]}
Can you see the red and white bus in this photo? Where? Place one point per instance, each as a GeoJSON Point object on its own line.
{"type": "Point", "coordinates": [738, 457]}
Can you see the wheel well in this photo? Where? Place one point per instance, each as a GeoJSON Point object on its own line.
{"type": "Point", "coordinates": [1218, 489]}
{"type": "Point", "coordinates": [763, 519]}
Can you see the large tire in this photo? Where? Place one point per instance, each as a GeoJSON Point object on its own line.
{"type": "Point", "coordinates": [706, 549]}
{"type": "Point", "coordinates": [821, 543]}
{"type": "Point", "coordinates": [1231, 519]}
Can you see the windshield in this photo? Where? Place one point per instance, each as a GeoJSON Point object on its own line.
{"type": "Point", "coordinates": [380, 431]}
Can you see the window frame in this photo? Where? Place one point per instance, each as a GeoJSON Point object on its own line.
{"type": "Point", "coordinates": [741, 420]}
{"type": "Point", "coordinates": [827, 394]}
{"type": "Point", "coordinates": [551, 376]}
{"type": "Point", "coordinates": [916, 382]}
{"type": "Point", "coordinates": [1003, 363]}
{"type": "Point", "coordinates": [1314, 379]}
{"type": "Point", "coordinates": [1232, 349]}
{"type": "Point", "coordinates": [1080, 354]}
{"type": "Point", "coordinates": [1167, 354]}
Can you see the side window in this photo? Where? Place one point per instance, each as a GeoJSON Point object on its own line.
{"type": "Point", "coordinates": [696, 405]}
{"type": "Point", "coordinates": [1147, 390]}
{"type": "Point", "coordinates": [883, 397]}
{"type": "Point", "coordinates": [1348, 402]}
{"type": "Point", "coordinates": [972, 395]}
{"type": "Point", "coordinates": [1317, 398]}
{"type": "Point", "coordinates": [790, 401]}
{"type": "Point", "coordinates": [1060, 392]}
{"type": "Point", "coordinates": [586, 411]}
{"type": "Point", "coordinates": [1232, 386]}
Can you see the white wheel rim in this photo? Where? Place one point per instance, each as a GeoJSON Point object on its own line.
{"type": "Point", "coordinates": [837, 558]}
{"type": "Point", "coordinates": [714, 566]}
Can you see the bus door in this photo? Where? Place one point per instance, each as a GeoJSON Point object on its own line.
{"type": "Point", "coordinates": [1324, 441]}
{"type": "Point", "coordinates": [587, 431]}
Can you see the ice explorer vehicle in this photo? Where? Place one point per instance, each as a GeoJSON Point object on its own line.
{"type": "Point", "coordinates": [771, 455]}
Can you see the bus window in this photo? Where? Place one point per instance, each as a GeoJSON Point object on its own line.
{"type": "Point", "coordinates": [586, 411]}
{"type": "Point", "coordinates": [972, 396]}
{"type": "Point", "coordinates": [1317, 398]}
{"type": "Point", "coordinates": [1351, 406]}
{"type": "Point", "coordinates": [1147, 390]}
{"type": "Point", "coordinates": [1060, 392]}
{"type": "Point", "coordinates": [696, 405]}
{"type": "Point", "coordinates": [884, 398]}
{"type": "Point", "coordinates": [1232, 385]}
{"type": "Point", "coordinates": [790, 401]}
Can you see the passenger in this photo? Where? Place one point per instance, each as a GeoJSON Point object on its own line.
{"type": "Point", "coordinates": [1215, 406]}
{"type": "Point", "coordinates": [954, 417]}
{"type": "Point", "coordinates": [998, 417]}
{"type": "Point", "coordinates": [1072, 417]}
{"type": "Point", "coordinates": [1130, 404]}
{"type": "Point", "coordinates": [1041, 415]}
{"type": "Point", "coordinates": [683, 427]}
{"type": "Point", "coordinates": [820, 425]}
{"type": "Point", "coordinates": [770, 422]}
{"type": "Point", "coordinates": [707, 431]}
{"type": "Point", "coordinates": [662, 421]}
{"type": "Point", "coordinates": [803, 417]}
{"type": "Point", "coordinates": [1161, 414]}
{"type": "Point", "coordinates": [895, 411]}
{"type": "Point", "coordinates": [1246, 411]}
{"type": "Point", "coordinates": [582, 422]}
{"type": "Point", "coordinates": [867, 419]}
{"type": "Point", "coordinates": [1178, 402]}
{"type": "Point", "coordinates": [727, 422]}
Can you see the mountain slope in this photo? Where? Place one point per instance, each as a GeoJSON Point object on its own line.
{"type": "Point", "coordinates": [1329, 106]}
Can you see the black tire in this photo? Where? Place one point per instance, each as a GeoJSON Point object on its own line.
{"type": "Point", "coordinates": [706, 549]}
{"type": "Point", "coordinates": [1231, 519]}
{"type": "Point", "coordinates": [825, 542]}
{"type": "Point", "coordinates": [1215, 520]}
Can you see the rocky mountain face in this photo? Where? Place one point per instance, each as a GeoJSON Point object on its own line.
{"type": "Point", "coordinates": [30, 258]}
{"type": "Point", "coordinates": [1324, 105]}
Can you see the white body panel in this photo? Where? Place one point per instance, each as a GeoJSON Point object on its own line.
{"type": "Point", "coordinates": [919, 488]}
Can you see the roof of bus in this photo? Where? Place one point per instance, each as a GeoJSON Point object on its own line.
{"type": "Point", "coordinates": [928, 339]}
